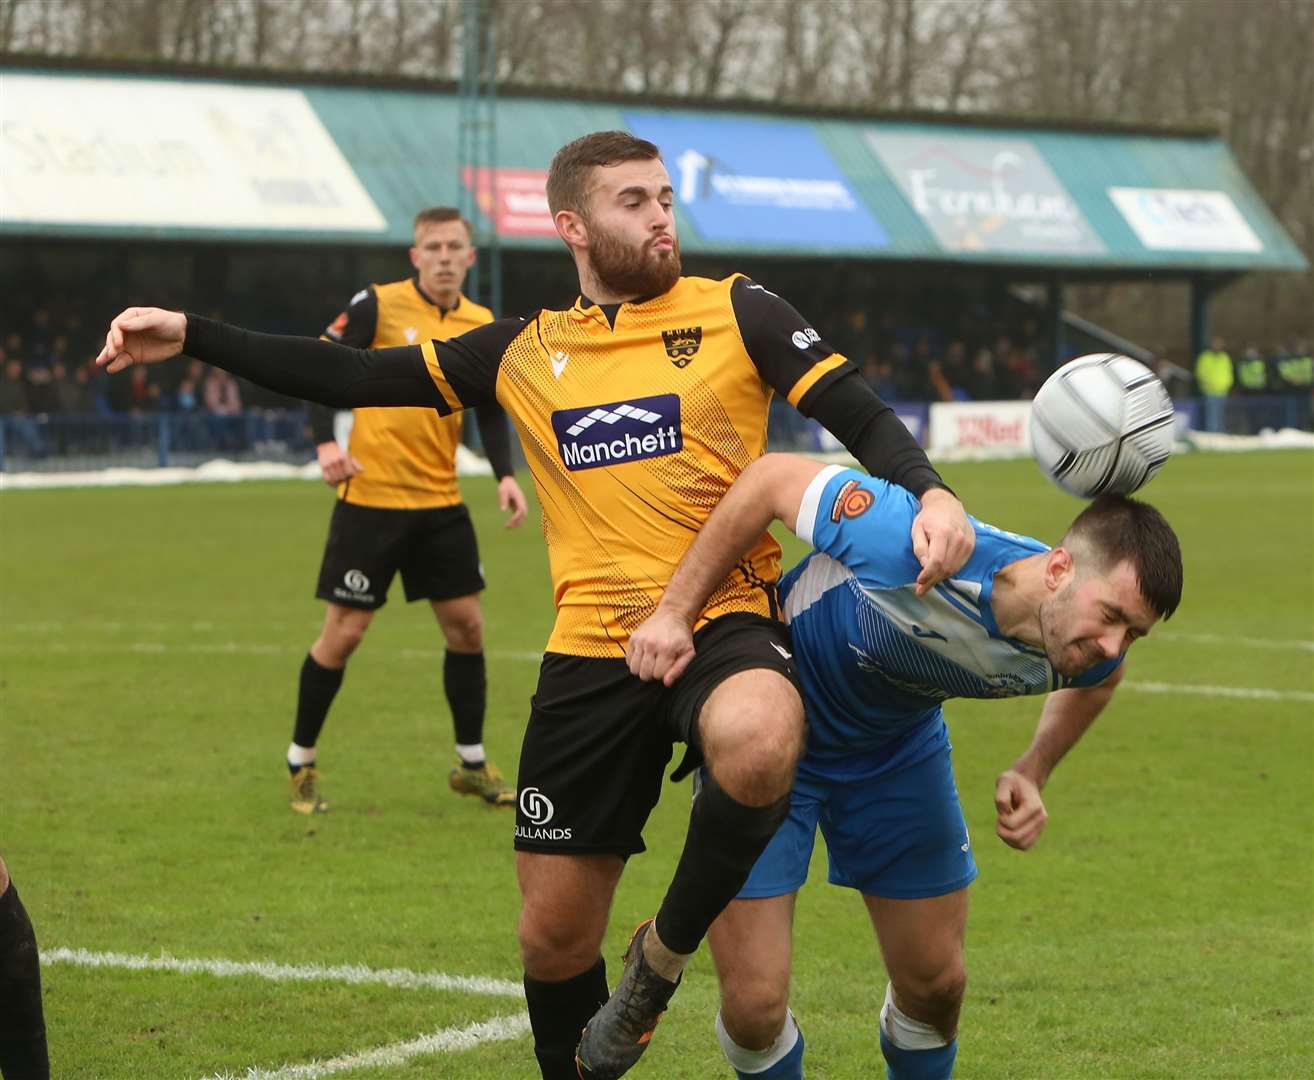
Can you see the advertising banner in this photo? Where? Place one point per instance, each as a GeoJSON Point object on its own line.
{"type": "Point", "coordinates": [515, 200]}
{"type": "Point", "coordinates": [985, 427]}
{"type": "Point", "coordinates": [1173, 219]}
{"type": "Point", "coordinates": [157, 153]}
{"type": "Point", "coordinates": [758, 180]}
{"type": "Point", "coordinates": [985, 193]}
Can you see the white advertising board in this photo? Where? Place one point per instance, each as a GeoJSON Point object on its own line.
{"type": "Point", "coordinates": [168, 154]}
{"type": "Point", "coordinates": [1174, 219]}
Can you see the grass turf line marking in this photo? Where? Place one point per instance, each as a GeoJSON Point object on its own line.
{"type": "Point", "coordinates": [357, 974]}
{"type": "Point", "coordinates": [1244, 642]}
{"type": "Point", "coordinates": [1252, 692]}
{"type": "Point", "coordinates": [497, 1029]}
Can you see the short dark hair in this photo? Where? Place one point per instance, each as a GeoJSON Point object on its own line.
{"type": "Point", "coordinates": [568, 174]}
{"type": "Point", "coordinates": [436, 215]}
{"type": "Point", "coordinates": [1117, 529]}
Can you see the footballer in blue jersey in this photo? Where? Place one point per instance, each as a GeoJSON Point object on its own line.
{"type": "Point", "coordinates": [877, 653]}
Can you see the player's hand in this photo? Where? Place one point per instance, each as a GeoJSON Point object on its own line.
{"type": "Point", "coordinates": [942, 538]}
{"type": "Point", "coordinates": [142, 335]}
{"type": "Point", "coordinates": [336, 464]}
{"type": "Point", "coordinates": [1021, 810]}
{"type": "Point", "coordinates": [510, 497]}
{"type": "Point", "coordinates": [661, 648]}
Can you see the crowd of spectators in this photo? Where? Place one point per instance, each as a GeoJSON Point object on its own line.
{"type": "Point", "coordinates": [52, 395]}
{"type": "Point", "coordinates": [910, 349]}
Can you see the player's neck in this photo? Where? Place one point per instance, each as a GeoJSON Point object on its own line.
{"type": "Point", "coordinates": [1016, 596]}
{"type": "Point", "coordinates": [593, 288]}
{"type": "Point", "coordinates": [442, 298]}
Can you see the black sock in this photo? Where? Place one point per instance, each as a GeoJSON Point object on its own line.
{"type": "Point", "coordinates": [319, 686]}
{"type": "Point", "coordinates": [724, 840]}
{"type": "Point", "coordinates": [465, 684]}
{"type": "Point", "coordinates": [558, 1012]}
{"type": "Point", "coordinates": [23, 1054]}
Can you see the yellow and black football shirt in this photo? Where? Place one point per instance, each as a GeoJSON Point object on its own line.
{"type": "Point", "coordinates": [407, 456]}
{"type": "Point", "coordinates": [635, 419]}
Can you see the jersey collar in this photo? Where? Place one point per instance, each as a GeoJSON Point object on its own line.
{"type": "Point", "coordinates": [610, 311]}
{"type": "Point", "coordinates": [415, 281]}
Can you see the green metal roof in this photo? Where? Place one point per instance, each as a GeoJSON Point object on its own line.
{"type": "Point", "coordinates": [758, 183]}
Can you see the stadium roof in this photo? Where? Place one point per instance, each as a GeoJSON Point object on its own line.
{"type": "Point", "coordinates": [105, 154]}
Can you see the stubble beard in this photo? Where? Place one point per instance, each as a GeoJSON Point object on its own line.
{"type": "Point", "coordinates": [630, 271]}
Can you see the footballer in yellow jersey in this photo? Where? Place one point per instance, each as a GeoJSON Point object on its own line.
{"type": "Point", "coordinates": [399, 509]}
{"type": "Point", "coordinates": [636, 408]}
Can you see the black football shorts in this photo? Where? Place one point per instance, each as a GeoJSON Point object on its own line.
{"type": "Point", "coordinates": [434, 549]}
{"type": "Point", "coordinates": [599, 738]}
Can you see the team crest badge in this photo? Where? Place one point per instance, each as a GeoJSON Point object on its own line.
{"type": "Point", "coordinates": [681, 345]}
{"type": "Point", "coordinates": [852, 501]}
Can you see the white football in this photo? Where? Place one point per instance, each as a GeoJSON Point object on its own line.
{"type": "Point", "coordinates": [1102, 423]}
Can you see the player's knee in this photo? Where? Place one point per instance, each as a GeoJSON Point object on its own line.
{"type": "Point", "coordinates": [933, 996]}
{"type": "Point", "coordinates": [344, 629]}
{"type": "Point", "coordinates": [555, 949]}
{"type": "Point", "coordinates": [754, 760]}
{"type": "Point", "coordinates": [465, 633]}
{"type": "Point", "coordinates": [754, 1013]}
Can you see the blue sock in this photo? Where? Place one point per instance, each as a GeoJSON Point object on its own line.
{"type": "Point", "coordinates": [934, 1064]}
{"type": "Point", "coordinates": [788, 1067]}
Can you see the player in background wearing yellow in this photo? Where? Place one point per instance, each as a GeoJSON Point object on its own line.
{"type": "Point", "coordinates": [399, 509]}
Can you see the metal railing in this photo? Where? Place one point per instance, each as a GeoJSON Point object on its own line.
{"type": "Point", "coordinates": [74, 442]}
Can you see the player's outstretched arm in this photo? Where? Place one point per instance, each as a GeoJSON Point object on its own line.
{"type": "Point", "coordinates": [307, 368]}
{"type": "Point", "coordinates": [771, 488]}
{"type": "Point", "coordinates": [1066, 716]}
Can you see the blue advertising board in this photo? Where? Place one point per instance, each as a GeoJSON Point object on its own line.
{"type": "Point", "coordinates": [754, 180]}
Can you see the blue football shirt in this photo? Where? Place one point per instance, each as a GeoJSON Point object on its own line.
{"type": "Point", "coordinates": [874, 658]}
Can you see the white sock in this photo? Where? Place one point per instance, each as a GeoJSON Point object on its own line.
{"type": "Point", "coordinates": [756, 1061]}
{"type": "Point", "coordinates": [905, 1032]}
{"type": "Point", "coordinates": [472, 754]}
{"type": "Point", "coordinates": [300, 755]}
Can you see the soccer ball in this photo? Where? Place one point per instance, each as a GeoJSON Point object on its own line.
{"type": "Point", "coordinates": [1101, 423]}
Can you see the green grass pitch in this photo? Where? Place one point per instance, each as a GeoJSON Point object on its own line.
{"type": "Point", "coordinates": [151, 642]}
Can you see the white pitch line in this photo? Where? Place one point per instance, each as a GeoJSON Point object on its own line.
{"type": "Point", "coordinates": [356, 974]}
{"type": "Point", "coordinates": [1257, 693]}
{"type": "Point", "coordinates": [448, 1039]}
{"type": "Point", "coordinates": [1243, 642]}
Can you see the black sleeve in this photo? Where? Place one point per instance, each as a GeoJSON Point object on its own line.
{"type": "Point", "coordinates": [356, 326]}
{"type": "Point", "coordinates": [871, 431]}
{"type": "Point", "coordinates": [495, 434]}
{"type": "Point", "coordinates": [791, 355]}
{"type": "Point", "coordinates": [314, 369]}
{"type": "Point", "coordinates": [347, 378]}
{"type": "Point", "coordinates": [779, 341]}
{"type": "Point", "coordinates": [321, 419]}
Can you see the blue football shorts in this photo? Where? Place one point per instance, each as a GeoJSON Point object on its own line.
{"type": "Point", "coordinates": [899, 834]}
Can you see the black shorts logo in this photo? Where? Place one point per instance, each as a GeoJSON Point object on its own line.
{"type": "Point", "coordinates": [681, 345]}
{"type": "Point", "coordinates": [356, 581]}
{"type": "Point", "coordinates": [536, 806]}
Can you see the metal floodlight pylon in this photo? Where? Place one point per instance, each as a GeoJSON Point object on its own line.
{"type": "Point", "coordinates": [477, 164]}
